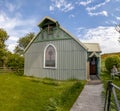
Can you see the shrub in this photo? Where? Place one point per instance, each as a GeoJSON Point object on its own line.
{"type": "Point", "coordinates": [112, 60]}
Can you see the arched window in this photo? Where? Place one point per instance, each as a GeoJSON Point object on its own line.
{"type": "Point", "coordinates": [50, 56]}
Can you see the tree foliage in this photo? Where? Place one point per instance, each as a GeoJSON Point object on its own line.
{"type": "Point", "coordinates": [3, 37]}
{"type": "Point", "coordinates": [23, 42]}
{"type": "Point", "coordinates": [15, 62]}
{"type": "Point", "coordinates": [7, 59]}
{"type": "Point", "coordinates": [112, 60]}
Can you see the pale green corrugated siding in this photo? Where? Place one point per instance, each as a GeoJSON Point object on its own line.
{"type": "Point", "coordinates": [99, 65]}
{"type": "Point", "coordinates": [71, 60]}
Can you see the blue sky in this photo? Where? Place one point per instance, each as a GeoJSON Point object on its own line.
{"type": "Point", "coordinates": [88, 20]}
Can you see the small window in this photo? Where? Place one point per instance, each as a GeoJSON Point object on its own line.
{"type": "Point", "coordinates": [50, 56]}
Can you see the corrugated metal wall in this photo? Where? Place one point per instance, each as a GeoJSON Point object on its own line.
{"type": "Point", "coordinates": [71, 60]}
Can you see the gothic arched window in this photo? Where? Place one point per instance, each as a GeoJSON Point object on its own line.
{"type": "Point", "coordinates": [50, 56]}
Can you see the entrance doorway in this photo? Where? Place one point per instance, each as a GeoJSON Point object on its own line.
{"type": "Point", "coordinates": [93, 66]}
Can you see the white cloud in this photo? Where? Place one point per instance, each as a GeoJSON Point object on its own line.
{"type": "Point", "coordinates": [62, 5]}
{"type": "Point", "coordinates": [51, 8]}
{"type": "Point", "coordinates": [111, 22]}
{"type": "Point", "coordinates": [94, 8]}
{"type": "Point", "coordinates": [11, 47]}
{"type": "Point", "coordinates": [107, 37]}
{"type": "Point", "coordinates": [85, 3]}
{"type": "Point", "coordinates": [118, 18]}
{"type": "Point", "coordinates": [104, 13]}
{"type": "Point", "coordinates": [11, 23]}
{"type": "Point", "coordinates": [15, 27]}
{"type": "Point", "coordinates": [71, 15]}
{"type": "Point", "coordinates": [97, 6]}
{"type": "Point", "coordinates": [2, 19]}
{"type": "Point", "coordinates": [68, 7]}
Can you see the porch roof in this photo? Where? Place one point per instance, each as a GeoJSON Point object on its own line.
{"type": "Point", "coordinates": [93, 47]}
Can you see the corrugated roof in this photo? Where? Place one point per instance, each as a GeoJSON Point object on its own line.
{"type": "Point", "coordinates": [93, 47]}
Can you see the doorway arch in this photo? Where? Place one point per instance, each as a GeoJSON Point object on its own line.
{"type": "Point", "coordinates": [93, 65]}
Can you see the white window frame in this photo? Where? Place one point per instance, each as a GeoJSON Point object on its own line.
{"type": "Point", "coordinates": [55, 56]}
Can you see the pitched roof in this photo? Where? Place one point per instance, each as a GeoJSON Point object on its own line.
{"type": "Point", "coordinates": [41, 24]}
{"type": "Point", "coordinates": [93, 47]}
{"type": "Point", "coordinates": [45, 20]}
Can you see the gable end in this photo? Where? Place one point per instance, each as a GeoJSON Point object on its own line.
{"type": "Point", "coordinates": [50, 30]}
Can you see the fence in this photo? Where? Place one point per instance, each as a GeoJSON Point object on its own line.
{"type": "Point", "coordinates": [111, 93]}
{"type": "Point", "coordinates": [11, 70]}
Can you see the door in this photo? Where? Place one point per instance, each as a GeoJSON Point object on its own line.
{"type": "Point", "coordinates": [93, 66]}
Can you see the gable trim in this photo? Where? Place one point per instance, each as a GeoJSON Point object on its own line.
{"type": "Point", "coordinates": [76, 39]}
{"type": "Point", "coordinates": [53, 40]}
{"type": "Point", "coordinates": [31, 42]}
{"type": "Point", "coordinates": [94, 54]}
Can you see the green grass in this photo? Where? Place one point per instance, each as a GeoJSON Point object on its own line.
{"type": "Point", "coordinates": [20, 93]}
{"type": "Point", "coordinates": [105, 77]}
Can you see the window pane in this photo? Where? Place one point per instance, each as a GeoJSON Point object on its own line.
{"type": "Point", "coordinates": [50, 56]}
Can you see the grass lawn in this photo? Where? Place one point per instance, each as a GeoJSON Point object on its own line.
{"type": "Point", "coordinates": [20, 93]}
{"type": "Point", "coordinates": [105, 76]}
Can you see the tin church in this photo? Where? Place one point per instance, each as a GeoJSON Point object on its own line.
{"type": "Point", "coordinates": [55, 53]}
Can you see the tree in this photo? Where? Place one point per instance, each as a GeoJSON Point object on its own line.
{"type": "Point", "coordinates": [118, 30]}
{"type": "Point", "coordinates": [23, 42]}
{"type": "Point", "coordinates": [3, 52]}
{"type": "Point", "coordinates": [3, 37]}
{"type": "Point", "coordinates": [16, 63]}
{"type": "Point", "coordinates": [111, 61]}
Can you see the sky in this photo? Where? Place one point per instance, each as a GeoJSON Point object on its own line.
{"type": "Point", "coordinates": [90, 21]}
